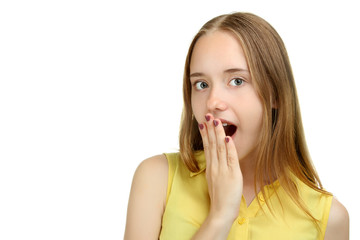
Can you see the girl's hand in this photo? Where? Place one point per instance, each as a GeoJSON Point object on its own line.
{"type": "Point", "coordinates": [223, 174]}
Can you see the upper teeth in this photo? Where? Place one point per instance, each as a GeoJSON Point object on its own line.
{"type": "Point", "coordinates": [224, 124]}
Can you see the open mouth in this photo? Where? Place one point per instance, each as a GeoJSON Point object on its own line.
{"type": "Point", "coordinates": [229, 129]}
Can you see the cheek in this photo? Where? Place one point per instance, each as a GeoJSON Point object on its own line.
{"type": "Point", "coordinates": [250, 129]}
{"type": "Point", "coordinates": [255, 109]}
{"type": "Point", "coordinates": [197, 109]}
{"type": "Point", "coordinates": [252, 116]}
{"type": "Point", "coordinates": [256, 119]}
{"type": "Point", "coordinates": [257, 115]}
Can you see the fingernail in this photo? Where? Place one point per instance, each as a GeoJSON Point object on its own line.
{"type": "Point", "coordinates": [216, 123]}
{"type": "Point", "coordinates": [201, 126]}
{"type": "Point", "coordinates": [207, 117]}
{"type": "Point", "coordinates": [227, 139]}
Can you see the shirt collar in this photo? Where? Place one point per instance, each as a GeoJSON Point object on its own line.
{"type": "Point", "coordinates": [200, 159]}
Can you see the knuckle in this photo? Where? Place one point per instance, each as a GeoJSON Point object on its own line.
{"type": "Point", "coordinates": [231, 160]}
{"type": "Point", "coordinates": [212, 142]}
{"type": "Point", "coordinates": [221, 149]}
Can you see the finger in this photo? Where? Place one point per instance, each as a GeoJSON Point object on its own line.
{"type": "Point", "coordinates": [220, 142]}
{"type": "Point", "coordinates": [205, 140]}
{"type": "Point", "coordinates": [232, 157]}
{"type": "Point", "coordinates": [212, 139]}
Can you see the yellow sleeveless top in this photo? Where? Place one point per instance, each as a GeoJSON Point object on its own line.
{"type": "Point", "coordinates": [187, 206]}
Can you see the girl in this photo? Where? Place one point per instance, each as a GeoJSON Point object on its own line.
{"type": "Point", "coordinates": [243, 170]}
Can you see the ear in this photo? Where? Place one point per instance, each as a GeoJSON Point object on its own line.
{"type": "Point", "coordinates": [273, 103]}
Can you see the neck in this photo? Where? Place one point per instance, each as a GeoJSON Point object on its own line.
{"type": "Point", "coordinates": [247, 166]}
{"type": "Point", "coordinates": [248, 171]}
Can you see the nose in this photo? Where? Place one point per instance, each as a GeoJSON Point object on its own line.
{"type": "Point", "coordinates": [216, 100]}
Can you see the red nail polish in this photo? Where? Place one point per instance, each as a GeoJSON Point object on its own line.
{"type": "Point", "coordinates": [216, 123]}
{"type": "Point", "coordinates": [201, 126]}
{"type": "Point", "coordinates": [207, 117]}
{"type": "Point", "coordinates": [227, 139]}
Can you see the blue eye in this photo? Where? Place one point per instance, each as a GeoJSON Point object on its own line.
{"type": "Point", "coordinates": [236, 82]}
{"type": "Point", "coordinates": [201, 85]}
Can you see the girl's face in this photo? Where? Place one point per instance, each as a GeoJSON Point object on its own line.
{"type": "Point", "coordinates": [222, 86]}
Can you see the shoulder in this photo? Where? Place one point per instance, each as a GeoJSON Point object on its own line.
{"type": "Point", "coordinates": [151, 176]}
{"type": "Point", "coordinates": [338, 222]}
{"type": "Point", "coordinates": [147, 199]}
{"type": "Point", "coordinates": [153, 166]}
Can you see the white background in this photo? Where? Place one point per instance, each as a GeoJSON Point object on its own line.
{"type": "Point", "coordinates": [89, 89]}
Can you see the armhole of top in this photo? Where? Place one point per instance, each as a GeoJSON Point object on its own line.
{"type": "Point", "coordinates": [326, 214]}
{"type": "Point", "coordinates": [171, 170]}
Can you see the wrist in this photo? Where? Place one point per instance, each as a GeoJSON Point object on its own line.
{"type": "Point", "coordinates": [216, 226]}
{"type": "Point", "coordinates": [221, 220]}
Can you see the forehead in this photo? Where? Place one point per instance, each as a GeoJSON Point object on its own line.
{"type": "Point", "coordinates": [216, 51]}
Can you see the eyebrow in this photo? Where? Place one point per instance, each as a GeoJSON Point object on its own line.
{"type": "Point", "coordinates": [230, 70]}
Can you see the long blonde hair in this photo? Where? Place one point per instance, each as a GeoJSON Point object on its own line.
{"type": "Point", "coordinates": [282, 147]}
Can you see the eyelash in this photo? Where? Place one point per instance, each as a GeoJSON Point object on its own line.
{"type": "Point", "coordinates": [199, 82]}
{"type": "Point", "coordinates": [207, 85]}
{"type": "Point", "coordinates": [242, 81]}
